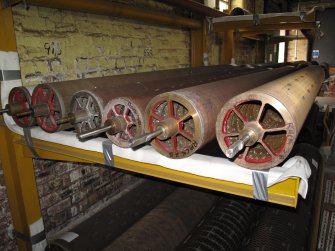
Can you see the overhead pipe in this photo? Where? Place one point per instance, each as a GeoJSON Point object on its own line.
{"type": "Point", "coordinates": [123, 116]}
{"type": "Point", "coordinates": [182, 121]}
{"type": "Point", "coordinates": [196, 7]}
{"type": "Point", "coordinates": [119, 10]}
{"type": "Point", "coordinates": [260, 126]}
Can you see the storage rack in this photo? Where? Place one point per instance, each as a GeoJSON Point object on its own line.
{"type": "Point", "coordinates": [16, 157]}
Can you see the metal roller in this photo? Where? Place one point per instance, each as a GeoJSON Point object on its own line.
{"type": "Point", "coordinates": [182, 121]}
{"type": "Point", "coordinates": [123, 116]}
{"type": "Point", "coordinates": [260, 126]}
{"type": "Point", "coordinates": [166, 226]}
{"type": "Point", "coordinates": [51, 102]}
{"type": "Point", "coordinates": [87, 105]}
{"type": "Point", "coordinates": [19, 100]}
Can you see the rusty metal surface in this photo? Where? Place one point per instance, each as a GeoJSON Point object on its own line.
{"type": "Point", "coordinates": [132, 107]}
{"type": "Point", "coordinates": [58, 95]}
{"type": "Point", "coordinates": [194, 111]}
{"type": "Point", "coordinates": [272, 115]}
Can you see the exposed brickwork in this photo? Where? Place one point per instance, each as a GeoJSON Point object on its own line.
{"type": "Point", "coordinates": [56, 45]}
{"type": "Point", "coordinates": [69, 190]}
{"type": "Point", "coordinates": [7, 243]}
{"type": "Point", "coordinates": [245, 51]}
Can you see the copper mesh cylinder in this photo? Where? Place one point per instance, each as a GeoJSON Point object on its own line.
{"type": "Point", "coordinates": [188, 116]}
{"type": "Point", "coordinates": [131, 108]}
{"type": "Point", "coordinates": [270, 117]}
{"type": "Point", "coordinates": [52, 101]}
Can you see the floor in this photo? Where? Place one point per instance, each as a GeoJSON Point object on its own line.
{"type": "Point", "coordinates": [326, 238]}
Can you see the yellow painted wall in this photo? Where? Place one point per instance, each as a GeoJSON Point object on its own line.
{"type": "Point", "coordinates": [56, 45]}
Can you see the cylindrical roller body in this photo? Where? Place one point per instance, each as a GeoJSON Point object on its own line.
{"type": "Point", "coordinates": [132, 106]}
{"type": "Point", "coordinates": [55, 98]}
{"type": "Point", "coordinates": [19, 100]}
{"type": "Point", "coordinates": [271, 115]}
{"type": "Point", "coordinates": [168, 224]}
{"type": "Point", "coordinates": [188, 116]}
{"type": "Point", "coordinates": [91, 101]}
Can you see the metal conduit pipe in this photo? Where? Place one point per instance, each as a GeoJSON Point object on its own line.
{"type": "Point", "coordinates": [19, 100]}
{"type": "Point", "coordinates": [182, 121]}
{"type": "Point", "coordinates": [51, 102]}
{"type": "Point", "coordinates": [119, 10]}
{"type": "Point", "coordinates": [260, 126]}
{"type": "Point", "coordinates": [123, 116]}
{"type": "Point", "coordinates": [164, 227]}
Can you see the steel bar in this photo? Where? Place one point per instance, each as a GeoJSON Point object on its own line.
{"type": "Point", "coordinates": [262, 124]}
{"type": "Point", "coordinates": [188, 115]}
{"type": "Point", "coordinates": [126, 113]}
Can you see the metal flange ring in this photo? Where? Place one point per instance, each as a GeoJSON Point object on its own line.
{"type": "Point", "coordinates": [92, 105]}
{"type": "Point", "coordinates": [274, 125]}
{"type": "Point", "coordinates": [124, 108]}
{"type": "Point", "coordinates": [20, 95]}
{"type": "Point", "coordinates": [45, 94]}
{"type": "Point", "coordinates": [188, 135]}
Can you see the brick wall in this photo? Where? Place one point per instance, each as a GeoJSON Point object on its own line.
{"type": "Point", "coordinates": [70, 190]}
{"type": "Point", "coordinates": [56, 45]}
{"type": "Point", "coordinates": [7, 243]}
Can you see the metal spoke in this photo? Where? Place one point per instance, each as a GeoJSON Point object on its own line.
{"type": "Point", "coordinates": [231, 134]}
{"type": "Point", "coordinates": [41, 94]}
{"type": "Point", "coordinates": [170, 108]}
{"type": "Point", "coordinates": [238, 114]}
{"type": "Point", "coordinates": [174, 143]}
{"type": "Point", "coordinates": [185, 117]}
{"type": "Point", "coordinates": [157, 117]}
{"type": "Point", "coordinates": [91, 124]}
{"type": "Point", "coordinates": [89, 103]}
{"type": "Point", "coordinates": [278, 129]}
{"type": "Point", "coordinates": [50, 96]}
{"type": "Point", "coordinates": [186, 135]}
{"type": "Point", "coordinates": [260, 112]}
{"type": "Point", "coordinates": [267, 149]}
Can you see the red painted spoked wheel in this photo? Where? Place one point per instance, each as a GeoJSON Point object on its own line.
{"type": "Point", "coordinates": [20, 95]}
{"type": "Point", "coordinates": [274, 125]}
{"type": "Point", "coordinates": [44, 94]}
